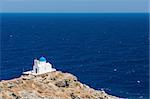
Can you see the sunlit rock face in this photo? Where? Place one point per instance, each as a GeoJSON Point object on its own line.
{"type": "Point", "coordinates": [52, 85]}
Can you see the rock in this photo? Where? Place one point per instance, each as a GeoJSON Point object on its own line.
{"type": "Point", "coordinates": [74, 96]}
{"type": "Point", "coordinates": [63, 83]}
{"type": "Point", "coordinates": [54, 85]}
{"type": "Point", "coordinates": [19, 82]}
{"type": "Point", "coordinates": [1, 87]}
{"type": "Point", "coordinates": [15, 96]}
{"type": "Point", "coordinates": [30, 77]}
{"type": "Point", "coordinates": [10, 84]}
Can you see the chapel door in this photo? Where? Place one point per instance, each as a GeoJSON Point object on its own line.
{"type": "Point", "coordinates": [35, 70]}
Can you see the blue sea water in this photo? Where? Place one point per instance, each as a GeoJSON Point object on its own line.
{"type": "Point", "coordinates": [105, 51]}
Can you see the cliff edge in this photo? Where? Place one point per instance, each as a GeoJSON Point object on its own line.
{"type": "Point", "coordinates": [53, 85]}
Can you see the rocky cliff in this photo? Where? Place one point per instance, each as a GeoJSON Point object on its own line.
{"type": "Point", "coordinates": [54, 85]}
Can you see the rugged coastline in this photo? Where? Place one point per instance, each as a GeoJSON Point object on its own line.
{"type": "Point", "coordinates": [53, 85]}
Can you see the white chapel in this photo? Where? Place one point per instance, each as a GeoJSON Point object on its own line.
{"type": "Point", "coordinates": [40, 66]}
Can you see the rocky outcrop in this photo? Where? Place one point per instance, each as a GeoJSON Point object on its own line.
{"type": "Point", "coordinates": [54, 85]}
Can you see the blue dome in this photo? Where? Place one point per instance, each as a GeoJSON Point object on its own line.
{"type": "Point", "coordinates": [42, 59]}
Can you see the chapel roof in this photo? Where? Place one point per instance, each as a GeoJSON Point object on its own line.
{"type": "Point", "coordinates": [42, 59]}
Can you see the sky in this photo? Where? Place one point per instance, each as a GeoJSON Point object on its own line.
{"type": "Point", "coordinates": [74, 6]}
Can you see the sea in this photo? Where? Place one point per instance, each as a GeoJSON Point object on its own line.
{"type": "Point", "coordinates": [106, 51]}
